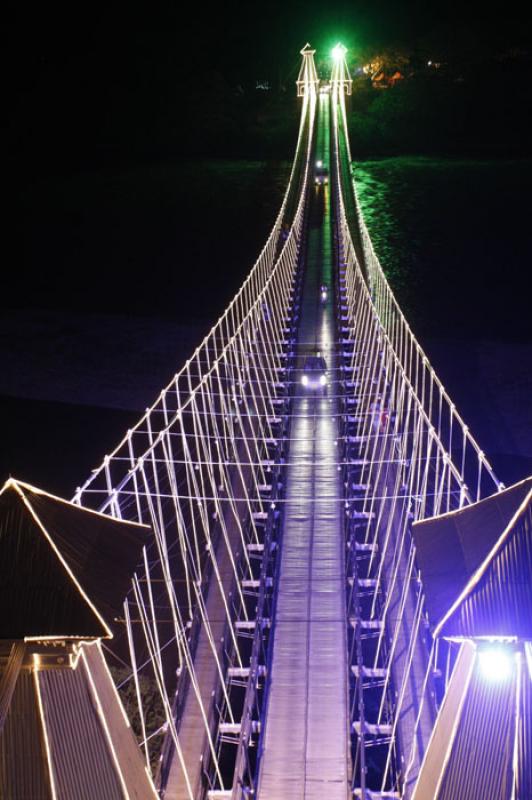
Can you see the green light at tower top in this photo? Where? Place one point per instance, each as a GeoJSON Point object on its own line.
{"type": "Point", "coordinates": [338, 52]}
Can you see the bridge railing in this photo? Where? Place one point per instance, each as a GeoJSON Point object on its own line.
{"type": "Point", "coordinates": [244, 773]}
{"type": "Point", "coordinates": [196, 467]}
{"type": "Point", "coordinates": [477, 475]}
{"type": "Point", "coordinates": [413, 457]}
{"type": "Point", "coordinates": [207, 352]}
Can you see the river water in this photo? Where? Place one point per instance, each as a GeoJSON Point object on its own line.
{"type": "Point", "coordinates": [453, 237]}
{"type": "Point", "coordinates": [117, 275]}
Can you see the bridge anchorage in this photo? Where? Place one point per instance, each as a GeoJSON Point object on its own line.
{"type": "Point", "coordinates": [330, 556]}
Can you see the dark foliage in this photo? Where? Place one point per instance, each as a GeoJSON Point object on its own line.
{"type": "Point", "coordinates": [482, 112]}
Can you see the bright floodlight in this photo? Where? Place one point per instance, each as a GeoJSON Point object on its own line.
{"type": "Point", "coordinates": [495, 663]}
{"type": "Point", "coordinates": [338, 52]}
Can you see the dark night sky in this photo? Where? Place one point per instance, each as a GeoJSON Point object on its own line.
{"type": "Point", "coordinates": [238, 35]}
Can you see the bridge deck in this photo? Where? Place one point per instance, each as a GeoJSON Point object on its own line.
{"type": "Point", "coordinates": [305, 744]}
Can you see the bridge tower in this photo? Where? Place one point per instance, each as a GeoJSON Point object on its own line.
{"type": "Point", "coordinates": [308, 77]}
{"type": "Point", "coordinates": [340, 78]}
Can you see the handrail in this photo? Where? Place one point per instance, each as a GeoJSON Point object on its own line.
{"type": "Point", "coordinates": [415, 362]}
{"type": "Point", "coordinates": [240, 307]}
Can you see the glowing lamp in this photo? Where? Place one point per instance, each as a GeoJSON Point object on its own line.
{"type": "Point", "coordinates": [304, 380]}
{"type": "Point", "coordinates": [495, 663]}
{"type": "Point", "coordinates": [338, 52]}
{"type": "Point", "coordinates": [319, 164]}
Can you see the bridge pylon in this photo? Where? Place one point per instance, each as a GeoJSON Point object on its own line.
{"type": "Point", "coordinates": [308, 77]}
{"type": "Point", "coordinates": [340, 78]}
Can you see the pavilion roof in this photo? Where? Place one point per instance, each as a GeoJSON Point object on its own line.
{"type": "Point", "coordinates": [64, 570]}
{"type": "Point", "coordinates": [476, 567]}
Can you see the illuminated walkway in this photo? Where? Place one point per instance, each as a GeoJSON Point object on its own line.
{"type": "Point", "coordinates": [306, 737]}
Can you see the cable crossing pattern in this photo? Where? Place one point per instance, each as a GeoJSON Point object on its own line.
{"type": "Point", "coordinates": [274, 641]}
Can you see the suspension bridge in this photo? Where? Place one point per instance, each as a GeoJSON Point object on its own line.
{"type": "Point", "coordinates": [285, 634]}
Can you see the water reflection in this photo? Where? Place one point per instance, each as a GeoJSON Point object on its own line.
{"type": "Point", "coordinates": [452, 236]}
